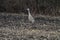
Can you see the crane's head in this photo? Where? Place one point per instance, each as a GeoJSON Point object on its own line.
{"type": "Point", "coordinates": [28, 9]}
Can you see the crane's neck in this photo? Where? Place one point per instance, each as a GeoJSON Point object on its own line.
{"type": "Point", "coordinates": [28, 12]}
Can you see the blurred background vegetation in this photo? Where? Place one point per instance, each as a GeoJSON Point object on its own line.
{"type": "Point", "coordinates": [44, 7]}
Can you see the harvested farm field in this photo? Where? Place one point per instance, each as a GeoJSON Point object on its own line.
{"type": "Point", "coordinates": [18, 27]}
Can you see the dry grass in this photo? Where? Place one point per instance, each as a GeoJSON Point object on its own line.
{"type": "Point", "coordinates": [29, 31]}
{"type": "Point", "coordinates": [11, 28]}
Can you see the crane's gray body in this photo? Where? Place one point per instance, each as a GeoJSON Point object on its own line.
{"type": "Point", "coordinates": [31, 19]}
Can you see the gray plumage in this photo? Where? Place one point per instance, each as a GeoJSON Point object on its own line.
{"type": "Point", "coordinates": [30, 18]}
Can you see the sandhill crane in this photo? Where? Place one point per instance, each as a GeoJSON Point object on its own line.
{"type": "Point", "coordinates": [30, 18]}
